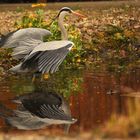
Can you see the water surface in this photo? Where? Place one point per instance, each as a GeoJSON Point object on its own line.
{"type": "Point", "coordinates": [93, 95]}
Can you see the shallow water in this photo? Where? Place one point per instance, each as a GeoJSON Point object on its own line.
{"type": "Point", "coordinates": [93, 95]}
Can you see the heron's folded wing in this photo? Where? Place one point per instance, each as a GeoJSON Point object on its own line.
{"type": "Point", "coordinates": [48, 60]}
{"type": "Point", "coordinates": [24, 41]}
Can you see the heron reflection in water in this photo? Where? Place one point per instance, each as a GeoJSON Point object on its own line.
{"type": "Point", "coordinates": [38, 110]}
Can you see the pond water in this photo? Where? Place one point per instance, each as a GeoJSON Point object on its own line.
{"type": "Point", "coordinates": [93, 95]}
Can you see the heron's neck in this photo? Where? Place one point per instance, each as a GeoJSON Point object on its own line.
{"type": "Point", "coordinates": [64, 34]}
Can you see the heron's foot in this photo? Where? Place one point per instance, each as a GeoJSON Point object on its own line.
{"type": "Point", "coordinates": [45, 76]}
{"type": "Point", "coordinates": [33, 78]}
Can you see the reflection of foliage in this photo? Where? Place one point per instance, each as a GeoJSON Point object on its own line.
{"type": "Point", "coordinates": [20, 84]}
{"type": "Point", "coordinates": [70, 85]}
{"type": "Point", "coordinates": [65, 82]}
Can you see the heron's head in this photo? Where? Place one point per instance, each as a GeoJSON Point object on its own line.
{"type": "Point", "coordinates": [67, 11]}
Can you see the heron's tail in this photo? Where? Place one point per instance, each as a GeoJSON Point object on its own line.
{"type": "Point", "coordinates": [17, 69]}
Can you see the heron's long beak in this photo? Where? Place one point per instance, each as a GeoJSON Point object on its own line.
{"type": "Point", "coordinates": [78, 14]}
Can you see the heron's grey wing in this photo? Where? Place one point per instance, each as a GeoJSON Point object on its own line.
{"type": "Point", "coordinates": [13, 39]}
{"type": "Point", "coordinates": [47, 61]}
{"type": "Point", "coordinates": [23, 41]}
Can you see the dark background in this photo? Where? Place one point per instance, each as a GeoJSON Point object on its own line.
{"type": "Point", "coordinates": [34, 1]}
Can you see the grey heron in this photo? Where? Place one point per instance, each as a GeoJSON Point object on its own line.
{"type": "Point", "coordinates": [39, 56]}
{"type": "Point", "coordinates": [37, 110]}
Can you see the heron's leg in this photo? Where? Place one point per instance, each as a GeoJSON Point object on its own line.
{"type": "Point", "coordinates": [44, 76]}
{"type": "Point", "coordinates": [66, 128]}
{"type": "Point", "coordinates": [33, 78]}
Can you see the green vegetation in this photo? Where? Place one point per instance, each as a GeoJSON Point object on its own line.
{"type": "Point", "coordinates": [65, 82]}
